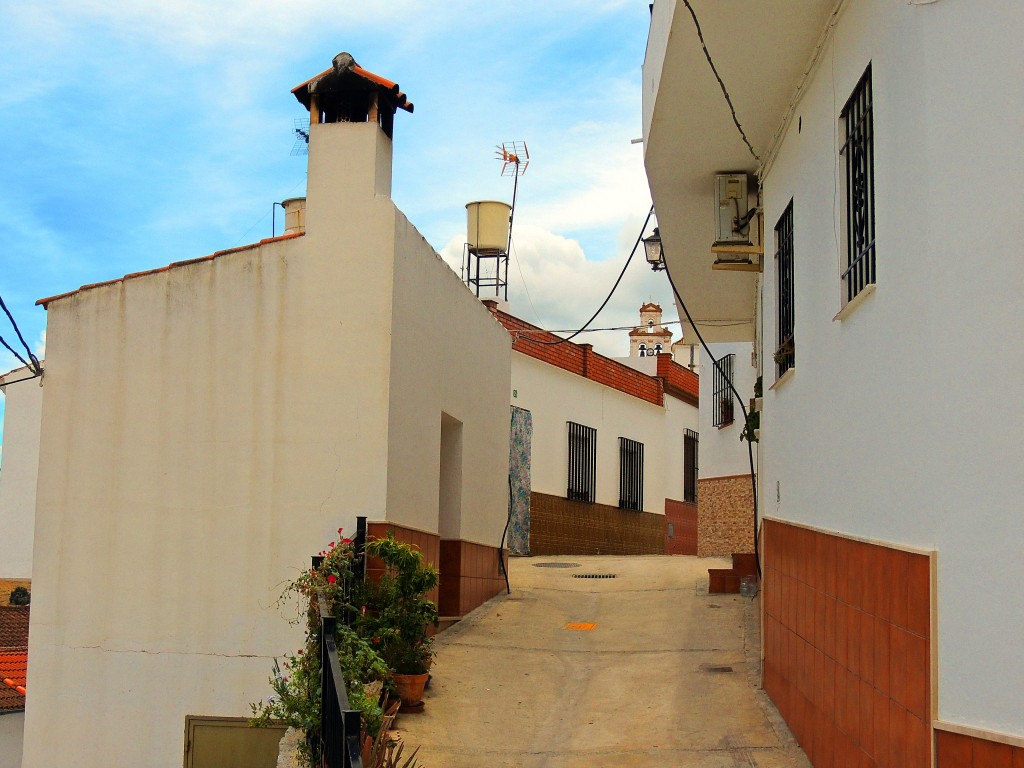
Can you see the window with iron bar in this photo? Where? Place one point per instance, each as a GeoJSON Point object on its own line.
{"type": "Point", "coordinates": [858, 151]}
{"type": "Point", "coordinates": [582, 462]}
{"type": "Point", "coordinates": [785, 354]}
{"type": "Point", "coordinates": [691, 443]}
{"type": "Point", "coordinates": [723, 403]}
{"type": "Point", "coordinates": [631, 474]}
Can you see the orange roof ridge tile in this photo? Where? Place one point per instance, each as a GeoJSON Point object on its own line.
{"type": "Point", "coordinates": [131, 275]}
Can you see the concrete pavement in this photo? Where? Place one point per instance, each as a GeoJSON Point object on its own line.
{"type": "Point", "coordinates": [668, 676]}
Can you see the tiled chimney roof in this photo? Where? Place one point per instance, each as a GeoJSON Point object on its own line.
{"type": "Point", "coordinates": [346, 74]}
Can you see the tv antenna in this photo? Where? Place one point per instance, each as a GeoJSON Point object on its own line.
{"type": "Point", "coordinates": [301, 145]}
{"type": "Point", "coordinates": [515, 159]}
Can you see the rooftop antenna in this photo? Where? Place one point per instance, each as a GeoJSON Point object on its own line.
{"type": "Point", "coordinates": [515, 158]}
{"type": "Point", "coordinates": [301, 145]}
{"type": "Point", "coordinates": [489, 228]}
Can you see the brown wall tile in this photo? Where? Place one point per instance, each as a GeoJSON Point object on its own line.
{"type": "Point", "coordinates": [725, 516]}
{"type": "Point", "coordinates": [562, 527]}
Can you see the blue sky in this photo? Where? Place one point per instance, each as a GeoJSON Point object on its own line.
{"type": "Point", "coordinates": [137, 134]}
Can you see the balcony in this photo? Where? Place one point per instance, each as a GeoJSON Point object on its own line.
{"type": "Point", "coordinates": [761, 49]}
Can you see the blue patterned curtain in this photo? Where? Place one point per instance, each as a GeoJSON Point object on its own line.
{"type": "Point", "coordinates": [519, 472]}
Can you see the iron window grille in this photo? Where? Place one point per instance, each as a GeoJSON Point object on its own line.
{"type": "Point", "coordinates": [723, 409]}
{"type": "Point", "coordinates": [785, 355]}
{"type": "Point", "coordinates": [859, 152]}
{"type": "Point", "coordinates": [582, 462]}
{"type": "Point", "coordinates": [631, 474]}
{"type": "Point", "coordinates": [691, 443]}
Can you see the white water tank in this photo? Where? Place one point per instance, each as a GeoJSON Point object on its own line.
{"type": "Point", "coordinates": [294, 215]}
{"type": "Point", "coordinates": [487, 223]}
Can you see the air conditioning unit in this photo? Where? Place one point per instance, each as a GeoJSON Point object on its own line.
{"type": "Point", "coordinates": [732, 225]}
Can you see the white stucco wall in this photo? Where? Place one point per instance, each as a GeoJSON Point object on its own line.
{"type": "Point", "coordinates": [207, 428]}
{"type": "Point", "coordinates": [12, 726]}
{"type": "Point", "coordinates": [23, 409]}
{"type": "Point", "coordinates": [449, 355]}
{"type": "Point", "coordinates": [881, 433]}
{"type": "Point", "coordinates": [722, 453]}
{"type": "Point", "coordinates": [555, 396]}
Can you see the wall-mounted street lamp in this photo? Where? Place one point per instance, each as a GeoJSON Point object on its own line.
{"type": "Point", "coordinates": [655, 253]}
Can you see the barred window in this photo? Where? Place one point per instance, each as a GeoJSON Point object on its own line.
{"type": "Point", "coordinates": [582, 462]}
{"type": "Point", "coordinates": [858, 149]}
{"type": "Point", "coordinates": [690, 444]}
{"type": "Point", "coordinates": [631, 474]}
{"type": "Point", "coordinates": [785, 354]}
{"type": "Point", "coordinates": [723, 403]}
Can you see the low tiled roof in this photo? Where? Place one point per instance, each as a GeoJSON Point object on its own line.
{"type": "Point", "coordinates": [650, 332]}
{"type": "Point", "coordinates": [649, 306]}
{"type": "Point", "coordinates": [14, 626]}
{"type": "Point", "coordinates": [13, 670]}
{"type": "Point", "coordinates": [45, 302]}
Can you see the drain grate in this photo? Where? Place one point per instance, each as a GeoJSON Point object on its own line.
{"type": "Point", "coordinates": [556, 565]}
{"type": "Point", "coordinates": [593, 575]}
{"type": "Point", "coordinates": [715, 669]}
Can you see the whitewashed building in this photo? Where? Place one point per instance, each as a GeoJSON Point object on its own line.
{"type": "Point", "coordinates": [884, 150]}
{"type": "Point", "coordinates": [23, 404]}
{"type": "Point", "coordinates": [209, 425]}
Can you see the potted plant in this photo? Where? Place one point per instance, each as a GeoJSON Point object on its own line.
{"type": "Point", "coordinates": [20, 596]}
{"type": "Point", "coordinates": [397, 615]}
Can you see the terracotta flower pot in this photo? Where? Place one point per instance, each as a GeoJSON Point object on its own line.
{"type": "Point", "coordinates": [410, 688]}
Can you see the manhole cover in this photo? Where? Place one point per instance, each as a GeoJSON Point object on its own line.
{"type": "Point", "coordinates": [593, 575]}
{"type": "Point", "coordinates": [556, 565]}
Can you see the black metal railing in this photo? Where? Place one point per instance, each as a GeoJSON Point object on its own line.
{"type": "Point", "coordinates": [690, 446]}
{"type": "Point", "coordinates": [631, 474]}
{"type": "Point", "coordinates": [582, 483]}
{"type": "Point", "coordinates": [859, 151]}
{"type": "Point", "coordinates": [785, 355]}
{"type": "Point", "coordinates": [723, 402]}
{"type": "Point", "coordinates": [340, 745]}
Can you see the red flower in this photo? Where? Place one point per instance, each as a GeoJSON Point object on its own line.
{"type": "Point", "coordinates": [376, 641]}
{"type": "Point", "coordinates": [331, 545]}
{"type": "Point", "coordinates": [346, 541]}
{"type": "Point", "coordinates": [340, 530]}
{"type": "Point", "coordinates": [331, 579]}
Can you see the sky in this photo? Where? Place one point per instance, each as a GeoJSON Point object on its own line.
{"type": "Point", "coordinates": [136, 134]}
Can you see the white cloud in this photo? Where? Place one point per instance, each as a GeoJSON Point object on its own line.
{"type": "Point", "coordinates": [553, 284]}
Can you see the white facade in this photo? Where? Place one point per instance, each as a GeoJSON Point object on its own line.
{"type": "Point", "coordinates": [12, 725]}
{"type": "Point", "coordinates": [877, 433]}
{"type": "Point", "coordinates": [208, 427]}
{"type": "Point", "coordinates": [22, 413]}
{"type": "Point", "coordinates": [722, 453]}
{"type": "Point", "coordinates": [555, 396]}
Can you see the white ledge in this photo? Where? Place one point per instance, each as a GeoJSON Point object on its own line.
{"type": "Point", "coordinates": [855, 302]}
{"type": "Point", "coordinates": [784, 378]}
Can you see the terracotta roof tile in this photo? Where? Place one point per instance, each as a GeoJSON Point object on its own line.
{"type": "Point", "coordinates": [49, 299]}
{"type": "Point", "coordinates": [347, 64]}
{"type": "Point", "coordinates": [13, 671]}
{"type": "Point", "coordinates": [14, 626]}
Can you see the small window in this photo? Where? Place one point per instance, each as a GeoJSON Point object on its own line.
{"type": "Point", "coordinates": [690, 444]}
{"type": "Point", "coordinates": [785, 353]}
{"type": "Point", "coordinates": [723, 403]}
{"type": "Point", "coordinates": [858, 151]}
{"type": "Point", "coordinates": [631, 474]}
{"type": "Point", "coordinates": [582, 462]}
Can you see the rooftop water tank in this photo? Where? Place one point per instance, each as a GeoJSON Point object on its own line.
{"type": "Point", "coordinates": [487, 223]}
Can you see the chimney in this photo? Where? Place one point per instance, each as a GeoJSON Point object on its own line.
{"type": "Point", "coordinates": [294, 215]}
{"type": "Point", "coordinates": [351, 116]}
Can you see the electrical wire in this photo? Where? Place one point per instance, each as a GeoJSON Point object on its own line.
{"type": "Point", "coordinates": [718, 77]}
{"type": "Point", "coordinates": [618, 280]}
{"type": "Point", "coordinates": [27, 378]}
{"type": "Point", "coordinates": [13, 352]}
{"type": "Point", "coordinates": [739, 399]}
{"type": "Point", "coordinates": [35, 361]}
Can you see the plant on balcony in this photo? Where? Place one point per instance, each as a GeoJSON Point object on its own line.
{"type": "Point", "coordinates": [785, 354]}
{"type": "Point", "coordinates": [20, 596]}
{"type": "Point", "coordinates": [753, 416]}
{"type": "Point", "coordinates": [397, 612]}
{"type": "Point", "coordinates": [296, 700]}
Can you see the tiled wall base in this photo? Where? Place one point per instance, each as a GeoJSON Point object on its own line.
{"type": "Point", "coordinates": [955, 750]}
{"type": "Point", "coordinates": [682, 517]}
{"type": "Point", "coordinates": [847, 647]}
{"type": "Point", "coordinates": [562, 527]}
{"type": "Point", "coordinates": [725, 516]}
{"type": "Point", "coordinates": [7, 585]}
{"type": "Point", "coordinates": [470, 576]}
{"type": "Point", "coordinates": [428, 543]}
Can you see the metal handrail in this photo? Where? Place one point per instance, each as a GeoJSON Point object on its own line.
{"type": "Point", "coordinates": [340, 746]}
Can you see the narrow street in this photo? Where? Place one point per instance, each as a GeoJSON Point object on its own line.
{"type": "Point", "coordinates": [667, 676]}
